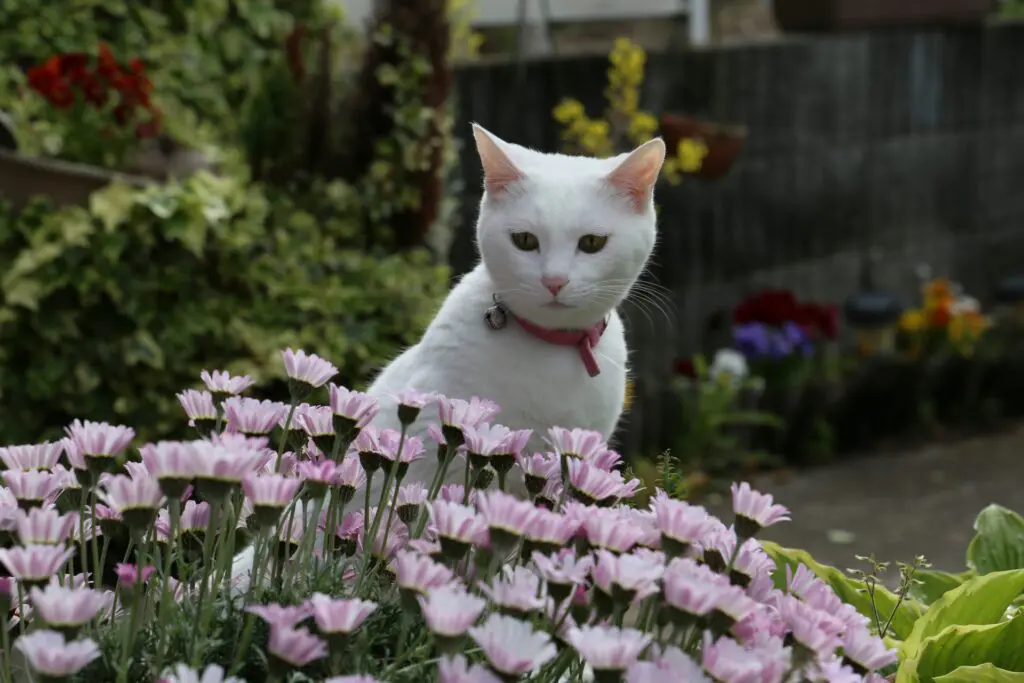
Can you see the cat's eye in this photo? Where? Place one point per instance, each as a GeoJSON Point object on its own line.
{"type": "Point", "coordinates": [591, 244]}
{"type": "Point", "coordinates": [525, 241]}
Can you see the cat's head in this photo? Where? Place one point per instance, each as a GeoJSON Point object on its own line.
{"type": "Point", "coordinates": [565, 237]}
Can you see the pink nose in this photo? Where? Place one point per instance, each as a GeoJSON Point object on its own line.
{"type": "Point", "coordinates": [554, 284]}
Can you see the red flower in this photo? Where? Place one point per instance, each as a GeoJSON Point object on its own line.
{"type": "Point", "coordinates": [685, 368]}
{"type": "Point", "coordinates": [42, 78]}
{"type": "Point", "coordinates": [769, 307]}
{"type": "Point", "coordinates": [60, 95]}
{"type": "Point", "coordinates": [95, 91]}
{"type": "Point", "coordinates": [828, 322]}
{"type": "Point", "coordinates": [818, 320]}
{"type": "Point", "coordinates": [123, 113]}
{"type": "Point", "coordinates": [106, 66]}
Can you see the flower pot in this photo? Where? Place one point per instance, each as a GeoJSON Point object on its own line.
{"type": "Point", "coordinates": [839, 15]}
{"type": "Point", "coordinates": [724, 143]}
{"type": "Point", "coordinates": [64, 184]}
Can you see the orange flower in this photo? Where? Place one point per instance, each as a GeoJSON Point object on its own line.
{"type": "Point", "coordinates": [939, 316]}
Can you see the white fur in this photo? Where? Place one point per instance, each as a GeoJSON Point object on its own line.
{"type": "Point", "coordinates": [559, 198]}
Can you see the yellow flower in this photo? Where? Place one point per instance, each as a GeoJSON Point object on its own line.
{"type": "Point", "coordinates": [913, 320]}
{"type": "Point", "coordinates": [691, 153]}
{"type": "Point", "coordinates": [642, 127]}
{"type": "Point", "coordinates": [569, 110]}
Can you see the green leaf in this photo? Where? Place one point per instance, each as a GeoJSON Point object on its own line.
{"type": "Point", "coordinates": [982, 600]}
{"type": "Point", "coordinates": [1000, 645]}
{"type": "Point", "coordinates": [998, 543]}
{"type": "Point", "coordinates": [934, 584]}
{"type": "Point", "coordinates": [113, 204]}
{"type": "Point", "coordinates": [983, 673]}
{"type": "Point", "coordinates": [849, 590]}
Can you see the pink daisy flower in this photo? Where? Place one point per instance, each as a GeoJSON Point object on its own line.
{"type": "Point", "coordinates": [630, 577]}
{"type": "Point", "coordinates": [199, 407]}
{"type": "Point", "coordinates": [681, 524]}
{"type": "Point", "coordinates": [173, 463]}
{"type": "Point", "coordinates": [42, 456]}
{"type": "Point", "coordinates": [99, 439]}
{"type": "Point", "coordinates": [538, 468]}
{"type": "Point", "coordinates": [508, 518]}
{"type": "Point", "coordinates": [130, 574]}
{"type": "Point", "coordinates": [865, 651]}
{"type": "Point", "coordinates": [562, 571]}
{"type": "Point", "coordinates": [338, 617]}
{"type": "Point", "coordinates": [135, 499]}
{"type": "Point", "coordinates": [294, 648]}
{"type": "Point", "coordinates": [418, 574]}
{"type": "Point", "coordinates": [352, 678]}
{"type": "Point", "coordinates": [270, 494]}
{"type": "Point", "coordinates": [515, 591]}
{"type": "Point", "coordinates": [754, 510]}
{"type": "Point", "coordinates": [32, 488]}
{"type": "Point", "coordinates": [456, 414]}
{"type": "Point", "coordinates": [35, 564]}
{"type": "Point", "coordinates": [410, 402]}
{"type": "Point", "coordinates": [450, 610]}
{"type": "Point", "coordinates": [317, 421]}
{"type": "Point", "coordinates": [252, 417]}
{"type": "Point", "coordinates": [355, 408]}
{"type": "Point", "coordinates": [607, 648]}
{"type": "Point", "coordinates": [397, 538]}
{"type": "Point", "coordinates": [549, 531]}
{"type": "Point", "coordinates": [454, 493]}
{"type": "Point", "coordinates": [287, 616]}
{"type": "Point", "coordinates": [45, 526]}
{"type": "Point", "coordinates": [511, 646]}
{"type": "Point", "coordinates": [591, 485]}
{"type": "Point", "coordinates": [727, 660]}
{"type": "Point", "coordinates": [183, 673]}
{"type": "Point", "coordinates": [606, 529]}
{"type": "Point", "coordinates": [221, 467]}
{"type": "Point", "coordinates": [495, 445]}
{"type": "Point", "coordinates": [410, 499]}
{"type": "Point", "coordinates": [49, 655]}
{"type": "Point", "coordinates": [307, 368]}
{"type": "Point", "coordinates": [66, 608]}
{"type": "Point", "coordinates": [458, 526]}
{"type": "Point", "coordinates": [221, 382]}
{"type": "Point", "coordinates": [457, 670]}
{"type": "Point", "coordinates": [583, 444]}
{"type": "Point", "coordinates": [815, 631]}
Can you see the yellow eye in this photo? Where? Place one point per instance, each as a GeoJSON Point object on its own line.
{"type": "Point", "coordinates": [591, 244]}
{"type": "Point", "coordinates": [525, 241]}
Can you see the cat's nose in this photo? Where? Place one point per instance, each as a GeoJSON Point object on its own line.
{"type": "Point", "coordinates": [554, 284]}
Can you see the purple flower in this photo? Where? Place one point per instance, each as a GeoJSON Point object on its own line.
{"type": "Point", "coordinates": [99, 439]}
{"type": "Point", "coordinates": [130, 574]}
{"type": "Point", "coordinates": [183, 673]}
{"type": "Point", "coordinates": [681, 524]}
{"type": "Point", "coordinates": [457, 414]}
{"type": "Point", "coordinates": [632, 577]}
{"type": "Point", "coordinates": [865, 651]}
{"type": "Point", "coordinates": [34, 564]}
{"type": "Point", "coordinates": [32, 487]}
{"type": "Point", "coordinates": [457, 670]}
{"type": "Point", "coordinates": [797, 339]}
{"type": "Point", "coordinates": [753, 340]}
{"type": "Point", "coordinates": [418, 573]}
{"type": "Point", "coordinates": [198, 406]}
{"type": "Point", "coordinates": [577, 443]}
{"type": "Point", "coordinates": [45, 526]}
{"type": "Point", "coordinates": [173, 460]}
{"type": "Point", "coordinates": [355, 407]}
{"type": "Point", "coordinates": [253, 417]}
{"type": "Point", "coordinates": [516, 590]}
{"type": "Point", "coordinates": [507, 517]}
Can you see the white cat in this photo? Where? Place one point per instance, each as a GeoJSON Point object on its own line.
{"type": "Point", "coordinates": [562, 240]}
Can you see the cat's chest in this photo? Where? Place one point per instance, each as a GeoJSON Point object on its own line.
{"type": "Point", "coordinates": [536, 383]}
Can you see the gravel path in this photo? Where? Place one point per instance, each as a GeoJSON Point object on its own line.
{"type": "Point", "coordinates": [898, 505]}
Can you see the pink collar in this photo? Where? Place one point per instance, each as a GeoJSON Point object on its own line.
{"type": "Point", "coordinates": [583, 340]}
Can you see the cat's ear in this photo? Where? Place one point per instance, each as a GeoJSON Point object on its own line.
{"type": "Point", "coordinates": [636, 175]}
{"type": "Point", "coordinates": [499, 171]}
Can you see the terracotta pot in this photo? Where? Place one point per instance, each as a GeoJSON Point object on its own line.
{"type": "Point", "coordinates": [838, 15]}
{"type": "Point", "coordinates": [64, 184]}
{"type": "Point", "coordinates": [724, 142]}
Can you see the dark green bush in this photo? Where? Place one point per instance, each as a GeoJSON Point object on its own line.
{"type": "Point", "coordinates": [108, 312]}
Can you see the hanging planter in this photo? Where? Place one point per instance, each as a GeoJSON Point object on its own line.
{"type": "Point", "coordinates": [62, 183]}
{"type": "Point", "coordinates": [839, 15]}
{"type": "Point", "coordinates": [724, 142]}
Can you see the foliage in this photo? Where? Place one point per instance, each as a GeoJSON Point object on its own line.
{"type": "Point", "coordinates": [239, 271]}
{"type": "Point", "coordinates": [718, 415]}
{"type": "Point", "coordinates": [623, 123]}
{"type": "Point", "coordinates": [430, 573]}
{"type": "Point", "coordinates": [102, 109]}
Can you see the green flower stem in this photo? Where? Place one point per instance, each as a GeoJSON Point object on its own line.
{"type": "Point", "coordinates": [165, 593]}
{"type": "Point", "coordinates": [94, 543]}
{"type": "Point", "coordinates": [370, 537]}
{"type": "Point", "coordinates": [398, 484]}
{"type": "Point", "coordinates": [82, 540]}
{"type": "Point", "coordinates": [435, 486]}
{"type": "Point", "coordinates": [208, 541]}
{"type": "Point", "coordinates": [138, 592]}
{"type": "Point", "coordinates": [284, 433]}
{"type": "Point", "coordinates": [103, 552]}
{"type": "Point", "coordinates": [6, 675]}
{"type": "Point", "coordinates": [308, 540]}
{"type": "Point", "coordinates": [221, 568]}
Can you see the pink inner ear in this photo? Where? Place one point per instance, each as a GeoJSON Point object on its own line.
{"type": "Point", "coordinates": [499, 171]}
{"type": "Point", "coordinates": [636, 176]}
